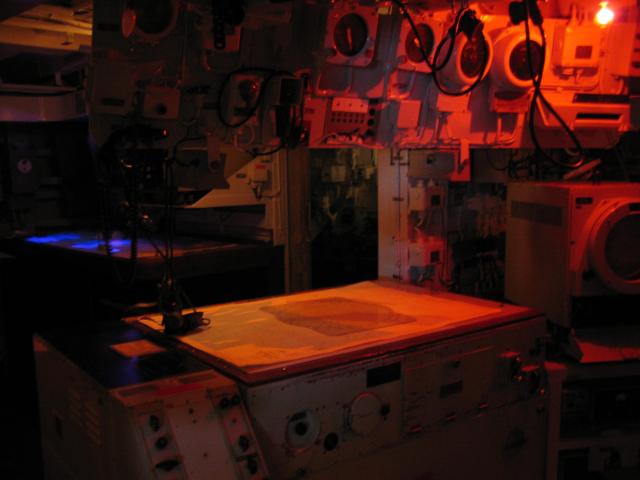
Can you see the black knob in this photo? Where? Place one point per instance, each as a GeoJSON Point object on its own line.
{"type": "Point", "coordinates": [385, 410]}
{"type": "Point", "coordinates": [244, 442]}
{"type": "Point", "coordinates": [225, 403]}
{"type": "Point", "coordinates": [168, 465]}
{"type": "Point", "coordinates": [534, 381]}
{"type": "Point", "coordinates": [516, 368]}
{"type": "Point", "coordinates": [301, 429]}
{"type": "Point", "coordinates": [154, 423]}
{"type": "Point", "coordinates": [331, 441]}
{"type": "Point", "coordinates": [162, 443]}
{"type": "Point", "coordinates": [252, 465]}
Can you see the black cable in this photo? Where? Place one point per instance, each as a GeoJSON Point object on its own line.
{"type": "Point", "coordinates": [265, 82]}
{"type": "Point", "coordinates": [105, 156]}
{"type": "Point", "coordinates": [536, 79]}
{"type": "Point", "coordinates": [256, 153]}
{"type": "Point", "coordinates": [476, 82]}
{"type": "Point", "coordinates": [172, 295]}
{"type": "Point", "coordinates": [405, 13]}
{"type": "Point", "coordinates": [169, 303]}
{"type": "Point", "coordinates": [451, 35]}
{"type": "Point", "coordinates": [185, 139]}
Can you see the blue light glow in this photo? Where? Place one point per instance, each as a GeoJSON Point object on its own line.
{"type": "Point", "coordinates": [59, 237]}
{"type": "Point", "coordinates": [100, 245]}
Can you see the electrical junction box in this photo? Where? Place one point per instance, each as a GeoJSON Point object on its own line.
{"type": "Point", "coordinates": [334, 173]}
{"type": "Point", "coordinates": [422, 198]}
{"type": "Point", "coordinates": [417, 199]}
{"type": "Point", "coordinates": [577, 46]}
{"type": "Point", "coordinates": [161, 102]}
{"type": "Point", "coordinates": [259, 172]}
{"type": "Point", "coordinates": [409, 113]}
{"type": "Point", "coordinates": [425, 253]}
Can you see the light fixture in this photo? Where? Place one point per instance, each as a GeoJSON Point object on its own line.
{"type": "Point", "coordinates": [605, 15]}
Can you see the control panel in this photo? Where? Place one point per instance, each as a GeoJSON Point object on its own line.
{"type": "Point", "coordinates": [189, 437]}
{"type": "Point", "coordinates": [324, 423]}
{"type": "Point", "coordinates": [185, 422]}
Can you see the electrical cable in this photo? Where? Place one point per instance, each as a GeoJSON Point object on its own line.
{"type": "Point", "coordinates": [256, 153]}
{"type": "Point", "coordinates": [272, 73]}
{"type": "Point", "coordinates": [405, 13]}
{"type": "Point", "coordinates": [536, 79]}
{"type": "Point", "coordinates": [183, 140]}
{"type": "Point", "coordinates": [476, 82]}
{"type": "Point", "coordinates": [169, 305]}
{"type": "Point", "coordinates": [172, 295]}
{"type": "Point", "coordinates": [295, 126]}
{"type": "Point", "coordinates": [104, 161]}
{"type": "Point", "coordinates": [451, 35]}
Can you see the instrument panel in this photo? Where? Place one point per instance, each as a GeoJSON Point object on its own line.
{"type": "Point", "coordinates": [432, 76]}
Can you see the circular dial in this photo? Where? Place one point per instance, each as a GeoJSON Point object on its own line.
{"type": "Point", "coordinates": [364, 414]}
{"type": "Point", "coordinates": [153, 16]}
{"type": "Point", "coordinates": [519, 62]}
{"type": "Point", "coordinates": [621, 248]}
{"type": "Point", "coordinates": [303, 429]}
{"type": "Point", "coordinates": [473, 56]}
{"type": "Point", "coordinates": [412, 45]}
{"type": "Point", "coordinates": [350, 35]}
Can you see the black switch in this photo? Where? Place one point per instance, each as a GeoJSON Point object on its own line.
{"type": "Point", "coordinates": [168, 465]}
{"type": "Point", "coordinates": [301, 429]}
{"type": "Point", "coordinates": [331, 441]}
{"type": "Point", "coordinates": [162, 443]}
{"type": "Point", "coordinates": [252, 465]}
{"type": "Point", "coordinates": [244, 442]}
{"type": "Point", "coordinates": [154, 423]}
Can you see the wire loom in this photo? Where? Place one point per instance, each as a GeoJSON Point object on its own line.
{"type": "Point", "coordinates": [466, 22]}
{"type": "Point", "coordinates": [171, 296]}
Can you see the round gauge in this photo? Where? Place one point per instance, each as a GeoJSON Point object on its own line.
{"type": "Point", "coordinates": [473, 56]}
{"type": "Point", "coordinates": [153, 17]}
{"type": "Point", "coordinates": [621, 248]}
{"type": "Point", "coordinates": [519, 62]}
{"type": "Point", "coordinates": [412, 45]}
{"type": "Point", "coordinates": [350, 35]}
{"type": "Point", "coordinates": [613, 250]}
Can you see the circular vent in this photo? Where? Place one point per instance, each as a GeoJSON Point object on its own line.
{"type": "Point", "coordinates": [511, 71]}
{"type": "Point", "coordinates": [473, 56]}
{"type": "Point", "coordinates": [350, 35]}
{"type": "Point", "coordinates": [412, 45]}
{"type": "Point", "coordinates": [154, 19]}
{"type": "Point", "coordinates": [614, 241]}
{"type": "Point", "coordinates": [467, 60]}
{"type": "Point", "coordinates": [519, 62]}
{"type": "Point", "coordinates": [621, 248]}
